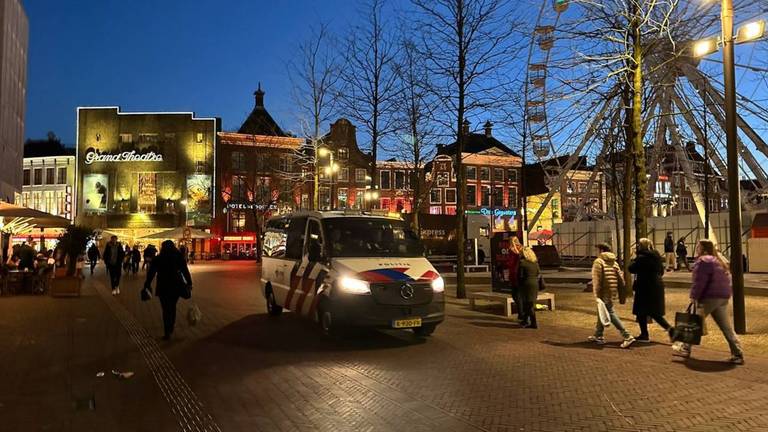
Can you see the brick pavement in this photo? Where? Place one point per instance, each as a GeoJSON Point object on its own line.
{"type": "Point", "coordinates": [478, 372]}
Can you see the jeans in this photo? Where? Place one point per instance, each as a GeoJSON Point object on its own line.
{"type": "Point", "coordinates": [683, 262]}
{"type": "Point", "coordinates": [168, 304]}
{"type": "Point", "coordinates": [718, 308]}
{"type": "Point", "coordinates": [642, 320]}
{"type": "Point", "coordinates": [114, 275]}
{"type": "Point", "coordinates": [614, 320]}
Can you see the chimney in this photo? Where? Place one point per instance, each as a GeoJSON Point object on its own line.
{"type": "Point", "coordinates": [259, 94]}
{"type": "Point", "coordinates": [465, 127]}
{"type": "Point", "coordinates": [488, 126]}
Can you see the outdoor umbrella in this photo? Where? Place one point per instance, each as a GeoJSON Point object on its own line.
{"type": "Point", "coordinates": [178, 233]}
{"type": "Point", "coordinates": [17, 215]}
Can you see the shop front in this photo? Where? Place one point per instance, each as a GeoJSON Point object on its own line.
{"type": "Point", "coordinates": [143, 173]}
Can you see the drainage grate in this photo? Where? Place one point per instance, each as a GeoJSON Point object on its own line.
{"type": "Point", "coordinates": [185, 405]}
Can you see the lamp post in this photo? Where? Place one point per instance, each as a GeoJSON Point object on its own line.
{"type": "Point", "coordinates": [746, 33]}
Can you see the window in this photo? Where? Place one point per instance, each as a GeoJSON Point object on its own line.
{"type": "Point", "coordinates": [360, 174]}
{"type": "Point", "coordinates": [436, 196]}
{"type": "Point", "coordinates": [62, 175]}
{"type": "Point", "coordinates": [450, 210]}
{"type": "Point", "coordinates": [724, 202]}
{"type": "Point", "coordinates": [126, 138]}
{"type": "Point", "coordinates": [199, 137]}
{"type": "Point", "coordinates": [238, 161]}
{"type": "Point", "coordinates": [512, 199]}
{"type": "Point", "coordinates": [685, 203]}
{"type": "Point", "coordinates": [555, 203]}
{"type": "Point", "coordinates": [26, 177]}
{"type": "Point", "coordinates": [261, 162]}
{"type": "Point", "coordinates": [50, 174]}
{"type": "Point", "coordinates": [238, 221]}
{"type": "Point", "coordinates": [511, 175]}
{"type": "Point", "coordinates": [238, 187]}
{"type": "Point", "coordinates": [38, 176]}
{"type": "Point", "coordinates": [450, 196]}
{"type": "Point", "coordinates": [582, 186]}
{"type": "Point", "coordinates": [498, 196]}
{"type": "Point", "coordinates": [343, 153]}
{"type": "Point", "coordinates": [284, 164]}
{"type": "Point", "coordinates": [471, 195]}
{"type": "Point", "coordinates": [471, 173]}
{"type": "Point", "coordinates": [385, 203]}
{"type": "Point", "coordinates": [400, 180]}
{"type": "Point", "coordinates": [713, 204]}
{"type": "Point", "coordinates": [435, 210]}
{"type": "Point", "coordinates": [486, 196]}
{"type": "Point", "coordinates": [498, 175]}
{"type": "Point", "coordinates": [442, 179]}
{"type": "Point", "coordinates": [342, 198]}
{"type": "Point", "coordinates": [294, 243]}
{"type": "Point", "coordinates": [485, 174]}
{"type": "Point", "coordinates": [359, 199]}
{"type": "Point", "coordinates": [262, 191]}
{"type": "Point", "coordinates": [344, 174]}
{"type": "Point", "coordinates": [385, 180]}
{"type": "Point", "coordinates": [570, 187]}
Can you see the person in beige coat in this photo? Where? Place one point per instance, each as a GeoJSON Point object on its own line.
{"type": "Point", "coordinates": [607, 278]}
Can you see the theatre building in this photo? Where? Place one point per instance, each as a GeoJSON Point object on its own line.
{"type": "Point", "coordinates": [141, 173]}
{"type": "Point", "coordinates": [257, 176]}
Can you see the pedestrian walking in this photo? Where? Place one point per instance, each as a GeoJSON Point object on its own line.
{"type": "Point", "coordinates": [607, 280]}
{"type": "Point", "coordinates": [113, 256]}
{"type": "Point", "coordinates": [149, 252]}
{"type": "Point", "coordinates": [648, 287]}
{"type": "Point", "coordinates": [127, 259]}
{"type": "Point", "coordinates": [93, 256]}
{"type": "Point", "coordinates": [711, 291]}
{"type": "Point", "coordinates": [669, 251]}
{"type": "Point", "coordinates": [173, 279]}
{"type": "Point", "coordinates": [682, 254]}
{"type": "Point", "coordinates": [513, 262]}
{"type": "Point", "coordinates": [135, 259]}
{"type": "Point", "coordinates": [528, 286]}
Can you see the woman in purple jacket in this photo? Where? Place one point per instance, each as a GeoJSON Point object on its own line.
{"type": "Point", "coordinates": [711, 291]}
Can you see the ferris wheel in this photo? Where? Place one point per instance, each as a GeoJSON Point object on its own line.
{"type": "Point", "coordinates": [574, 106]}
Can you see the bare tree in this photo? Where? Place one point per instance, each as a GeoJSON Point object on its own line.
{"type": "Point", "coordinates": [314, 76]}
{"type": "Point", "coordinates": [466, 45]}
{"type": "Point", "coordinates": [368, 88]}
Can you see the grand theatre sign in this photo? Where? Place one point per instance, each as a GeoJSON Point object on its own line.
{"type": "Point", "coordinates": [92, 156]}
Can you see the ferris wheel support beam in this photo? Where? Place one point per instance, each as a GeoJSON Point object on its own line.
{"type": "Point", "coordinates": [573, 157]}
{"type": "Point", "coordinates": [686, 113]}
{"type": "Point", "coordinates": [598, 165]}
{"type": "Point", "coordinates": [682, 157]}
{"type": "Point", "coordinates": [657, 152]}
{"type": "Point", "coordinates": [710, 94]}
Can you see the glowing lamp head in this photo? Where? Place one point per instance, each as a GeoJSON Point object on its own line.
{"type": "Point", "coordinates": [704, 47]}
{"type": "Point", "coordinates": [323, 152]}
{"type": "Point", "coordinates": [751, 31]}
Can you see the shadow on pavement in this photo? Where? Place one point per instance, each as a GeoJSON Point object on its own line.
{"type": "Point", "coordinates": [505, 325]}
{"type": "Point", "coordinates": [581, 344]}
{"type": "Point", "coordinates": [290, 334]}
{"type": "Point", "coordinates": [710, 366]}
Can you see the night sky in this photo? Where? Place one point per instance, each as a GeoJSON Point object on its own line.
{"type": "Point", "coordinates": [148, 55]}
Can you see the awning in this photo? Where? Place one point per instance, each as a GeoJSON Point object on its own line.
{"type": "Point", "coordinates": [541, 235]}
{"type": "Point", "coordinates": [19, 219]}
{"type": "Point", "coordinates": [178, 233]}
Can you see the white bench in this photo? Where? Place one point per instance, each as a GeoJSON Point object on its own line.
{"type": "Point", "coordinates": [507, 300]}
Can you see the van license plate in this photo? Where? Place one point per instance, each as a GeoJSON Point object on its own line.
{"type": "Point", "coordinates": [407, 323]}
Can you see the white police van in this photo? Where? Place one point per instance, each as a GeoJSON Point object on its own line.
{"type": "Point", "coordinates": [347, 269]}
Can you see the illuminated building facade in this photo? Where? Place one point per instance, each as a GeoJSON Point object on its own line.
{"type": "Point", "coordinates": [48, 179]}
{"type": "Point", "coordinates": [139, 173]}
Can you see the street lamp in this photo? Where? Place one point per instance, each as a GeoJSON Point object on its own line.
{"type": "Point", "coordinates": [746, 33]}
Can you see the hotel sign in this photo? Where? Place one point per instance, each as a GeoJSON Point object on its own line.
{"type": "Point", "coordinates": [92, 156]}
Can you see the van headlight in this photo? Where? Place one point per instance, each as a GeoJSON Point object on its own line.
{"type": "Point", "coordinates": [438, 285]}
{"type": "Point", "coordinates": [354, 286]}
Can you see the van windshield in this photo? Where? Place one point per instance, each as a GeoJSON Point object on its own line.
{"type": "Point", "coordinates": [371, 237]}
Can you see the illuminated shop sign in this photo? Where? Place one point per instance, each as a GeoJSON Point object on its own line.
{"type": "Point", "coordinates": [240, 238]}
{"type": "Point", "coordinates": [92, 156]}
{"type": "Point", "coordinates": [496, 212]}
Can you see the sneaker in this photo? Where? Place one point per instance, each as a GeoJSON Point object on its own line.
{"type": "Point", "coordinates": [114, 292]}
{"type": "Point", "coordinates": [737, 360]}
{"type": "Point", "coordinates": [628, 342]}
{"type": "Point", "coordinates": [118, 291]}
{"type": "Point", "coordinates": [643, 339]}
{"type": "Point", "coordinates": [679, 350]}
{"type": "Point", "coordinates": [597, 339]}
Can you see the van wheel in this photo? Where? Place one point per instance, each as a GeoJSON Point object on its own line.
{"type": "Point", "coordinates": [273, 308]}
{"type": "Point", "coordinates": [425, 330]}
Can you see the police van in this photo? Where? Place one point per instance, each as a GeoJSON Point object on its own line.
{"type": "Point", "coordinates": [346, 269]}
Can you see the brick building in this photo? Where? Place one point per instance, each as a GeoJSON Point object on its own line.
{"type": "Point", "coordinates": [397, 186]}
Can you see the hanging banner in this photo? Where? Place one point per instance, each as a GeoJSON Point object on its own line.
{"type": "Point", "coordinates": [199, 190]}
{"type": "Point", "coordinates": [95, 190]}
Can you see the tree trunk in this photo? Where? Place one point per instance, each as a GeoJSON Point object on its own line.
{"type": "Point", "coordinates": [641, 181]}
{"type": "Point", "coordinates": [626, 202]}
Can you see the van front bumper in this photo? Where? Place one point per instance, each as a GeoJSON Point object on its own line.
{"type": "Point", "coordinates": [362, 311]}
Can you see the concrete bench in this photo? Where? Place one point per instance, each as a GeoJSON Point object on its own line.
{"type": "Point", "coordinates": [507, 300]}
{"type": "Point", "coordinates": [474, 268]}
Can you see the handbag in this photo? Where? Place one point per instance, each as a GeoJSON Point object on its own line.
{"type": "Point", "coordinates": [688, 326]}
{"type": "Point", "coordinates": [194, 315]}
{"type": "Point", "coordinates": [603, 314]}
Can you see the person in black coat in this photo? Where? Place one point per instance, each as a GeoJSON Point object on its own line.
{"type": "Point", "coordinates": [648, 287]}
{"type": "Point", "coordinates": [682, 255]}
{"type": "Point", "coordinates": [172, 278]}
{"type": "Point", "coordinates": [528, 287]}
{"type": "Point", "coordinates": [93, 256]}
{"type": "Point", "coordinates": [113, 257]}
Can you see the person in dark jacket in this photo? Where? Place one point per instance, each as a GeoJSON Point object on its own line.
{"type": "Point", "coordinates": [149, 252]}
{"type": "Point", "coordinates": [26, 257]}
{"type": "Point", "coordinates": [113, 256]}
{"type": "Point", "coordinates": [711, 291]}
{"type": "Point", "coordinates": [93, 256]}
{"type": "Point", "coordinates": [135, 258]}
{"type": "Point", "coordinates": [172, 276]}
{"type": "Point", "coordinates": [528, 286]}
{"type": "Point", "coordinates": [669, 251]}
{"type": "Point", "coordinates": [682, 254]}
{"type": "Point", "coordinates": [648, 287]}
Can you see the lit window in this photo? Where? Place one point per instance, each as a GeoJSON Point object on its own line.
{"type": "Point", "coordinates": [199, 137]}
{"type": "Point", "coordinates": [360, 174]}
{"type": "Point", "coordinates": [436, 196]}
{"type": "Point", "coordinates": [450, 196]}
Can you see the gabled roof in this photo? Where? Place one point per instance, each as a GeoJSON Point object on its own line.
{"type": "Point", "coordinates": [476, 143]}
{"type": "Point", "coordinates": [259, 122]}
